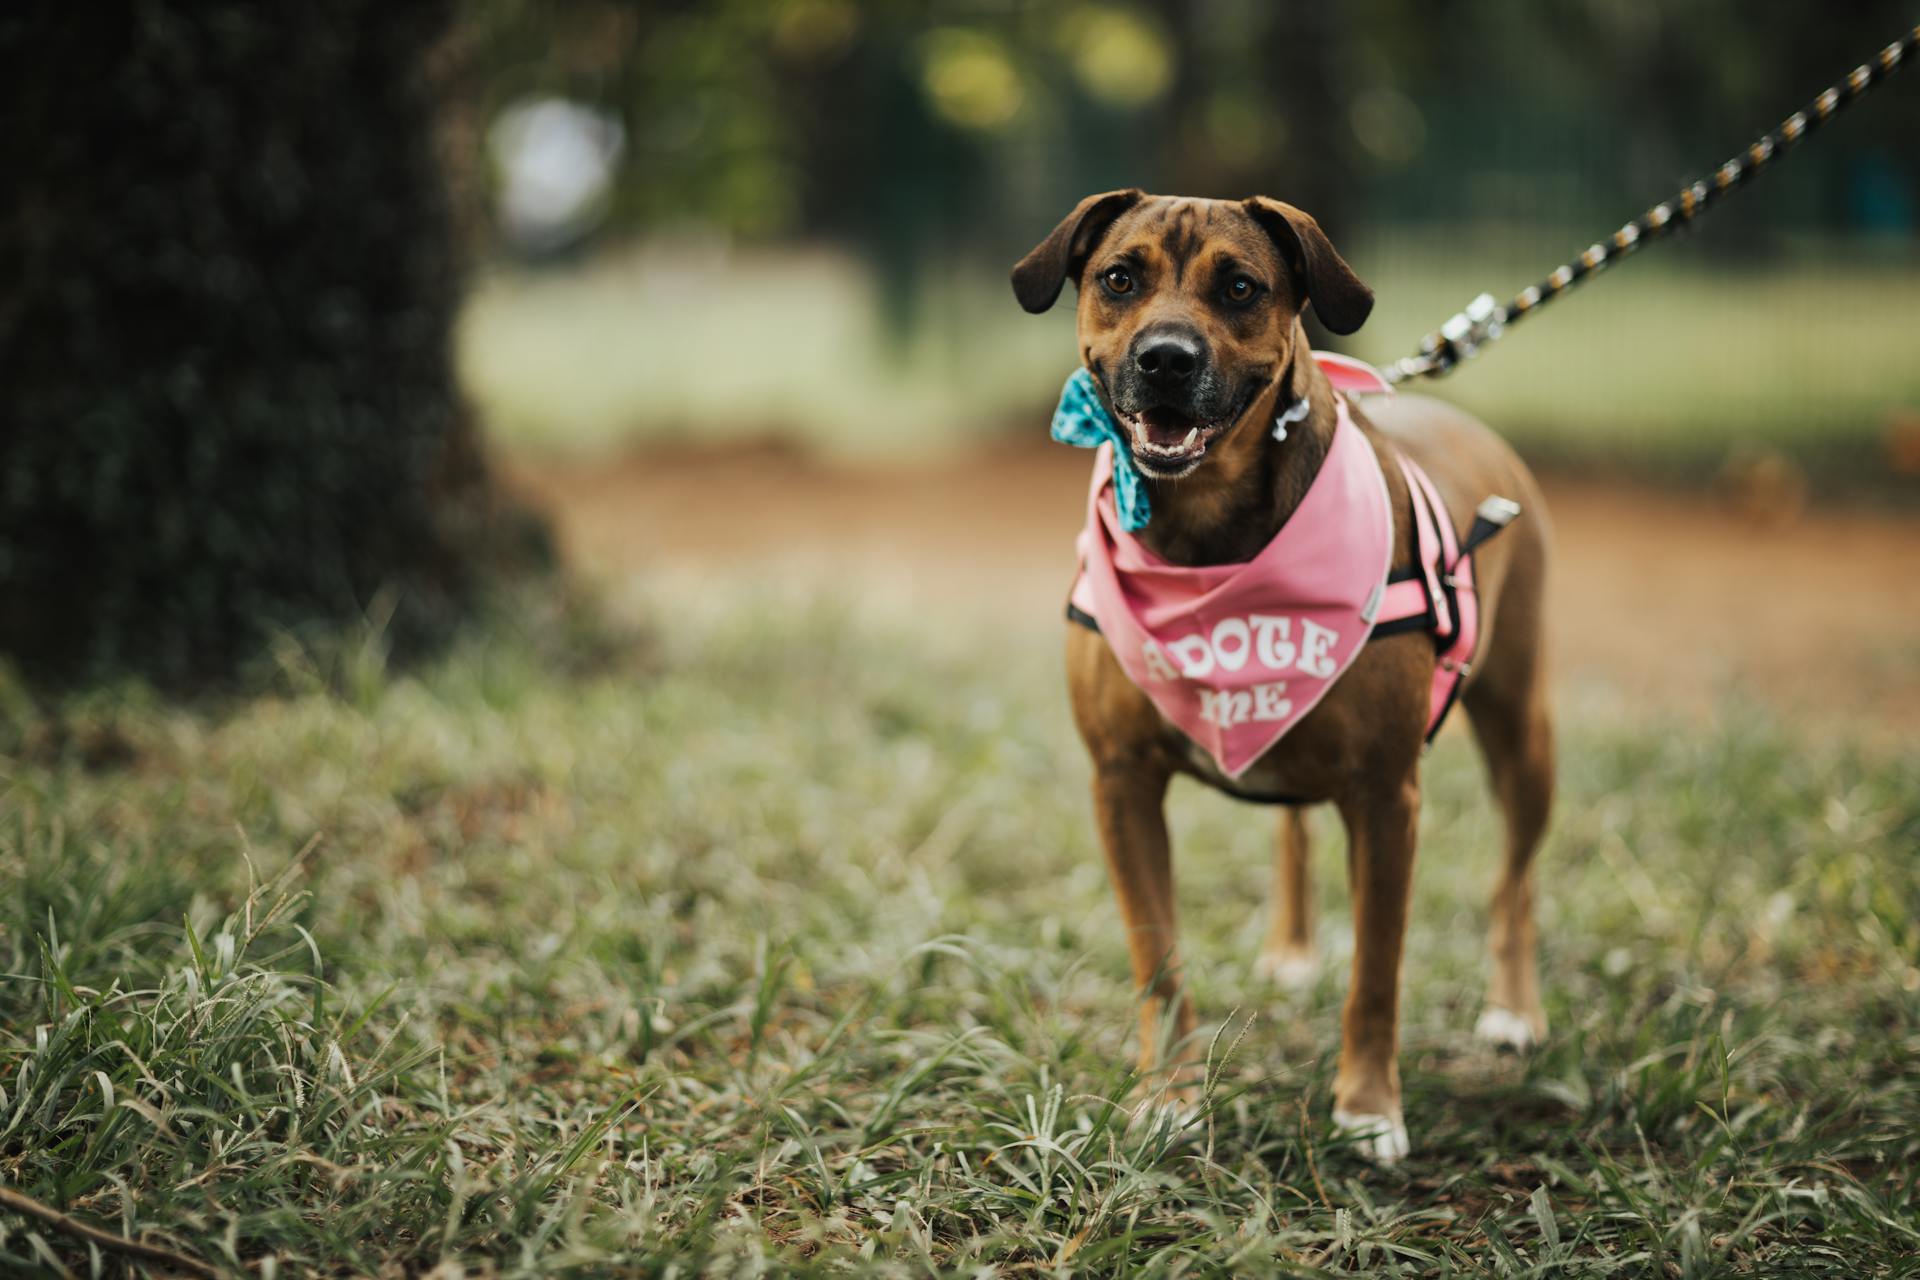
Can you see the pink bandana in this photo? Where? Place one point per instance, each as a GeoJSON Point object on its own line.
{"type": "Point", "coordinates": [1234, 655]}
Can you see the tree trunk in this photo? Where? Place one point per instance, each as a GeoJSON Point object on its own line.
{"type": "Point", "coordinates": [228, 400]}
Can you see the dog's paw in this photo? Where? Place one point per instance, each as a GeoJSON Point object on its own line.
{"type": "Point", "coordinates": [1289, 970]}
{"type": "Point", "coordinates": [1381, 1139]}
{"type": "Point", "coordinates": [1504, 1029]}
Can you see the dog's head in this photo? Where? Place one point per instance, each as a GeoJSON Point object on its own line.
{"type": "Point", "coordinates": [1188, 309]}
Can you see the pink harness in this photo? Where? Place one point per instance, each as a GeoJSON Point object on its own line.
{"type": "Point", "coordinates": [1235, 655]}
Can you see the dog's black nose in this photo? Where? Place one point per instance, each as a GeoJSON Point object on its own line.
{"type": "Point", "coordinates": [1167, 359]}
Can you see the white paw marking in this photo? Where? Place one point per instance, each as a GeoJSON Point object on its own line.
{"type": "Point", "coordinates": [1504, 1029]}
{"type": "Point", "coordinates": [1383, 1139]}
{"type": "Point", "coordinates": [1294, 971]}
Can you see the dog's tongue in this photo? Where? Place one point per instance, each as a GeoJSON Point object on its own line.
{"type": "Point", "coordinates": [1165, 427]}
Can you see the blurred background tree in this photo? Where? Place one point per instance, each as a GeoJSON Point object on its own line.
{"type": "Point", "coordinates": [231, 258]}
{"type": "Point", "coordinates": [229, 404]}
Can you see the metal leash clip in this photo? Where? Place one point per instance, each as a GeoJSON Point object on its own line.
{"type": "Point", "coordinates": [1462, 337]}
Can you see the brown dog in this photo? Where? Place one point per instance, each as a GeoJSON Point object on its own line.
{"type": "Point", "coordinates": [1189, 316]}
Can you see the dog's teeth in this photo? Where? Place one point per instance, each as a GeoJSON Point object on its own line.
{"type": "Point", "coordinates": [1191, 437]}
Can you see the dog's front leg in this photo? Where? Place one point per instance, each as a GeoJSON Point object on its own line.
{"type": "Point", "coordinates": [1128, 801]}
{"type": "Point", "coordinates": [1380, 841]}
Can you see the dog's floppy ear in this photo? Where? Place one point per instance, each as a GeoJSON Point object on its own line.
{"type": "Point", "coordinates": [1038, 276]}
{"type": "Point", "coordinates": [1338, 296]}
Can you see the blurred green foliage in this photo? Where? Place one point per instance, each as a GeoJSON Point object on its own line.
{"type": "Point", "coordinates": [228, 401]}
{"type": "Point", "coordinates": [1449, 147]}
{"type": "Point", "coordinates": [955, 121]}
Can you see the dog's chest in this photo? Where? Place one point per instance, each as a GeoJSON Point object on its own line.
{"type": "Point", "coordinates": [1292, 770]}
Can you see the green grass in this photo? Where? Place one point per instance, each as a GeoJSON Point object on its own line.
{"type": "Point", "coordinates": [666, 343]}
{"type": "Point", "coordinates": [1670, 365]}
{"type": "Point", "coordinates": [775, 940]}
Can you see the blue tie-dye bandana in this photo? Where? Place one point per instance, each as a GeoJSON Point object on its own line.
{"type": "Point", "coordinates": [1082, 421]}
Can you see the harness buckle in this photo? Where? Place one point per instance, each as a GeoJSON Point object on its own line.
{"type": "Point", "coordinates": [1496, 510]}
{"type": "Point", "coordinates": [1492, 515]}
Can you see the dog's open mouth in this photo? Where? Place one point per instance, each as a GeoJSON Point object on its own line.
{"type": "Point", "coordinates": [1168, 444]}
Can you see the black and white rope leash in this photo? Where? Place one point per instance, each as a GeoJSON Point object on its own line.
{"type": "Point", "coordinates": [1485, 320]}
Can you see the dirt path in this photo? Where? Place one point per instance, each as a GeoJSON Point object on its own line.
{"type": "Point", "coordinates": [1658, 597]}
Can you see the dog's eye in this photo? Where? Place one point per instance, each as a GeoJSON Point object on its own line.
{"type": "Point", "coordinates": [1241, 289]}
{"type": "Point", "coordinates": [1117, 280]}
